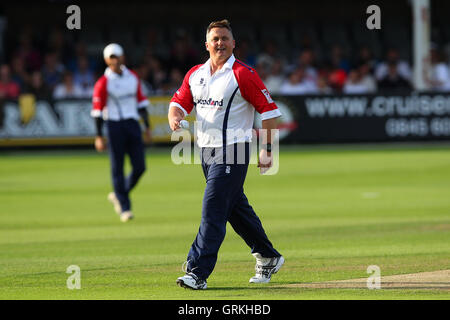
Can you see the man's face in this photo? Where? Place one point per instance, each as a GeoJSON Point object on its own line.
{"type": "Point", "coordinates": [220, 43]}
{"type": "Point", "coordinates": [392, 71]}
{"type": "Point", "coordinates": [4, 73]}
{"type": "Point", "coordinates": [114, 62]}
{"type": "Point", "coordinates": [392, 56]}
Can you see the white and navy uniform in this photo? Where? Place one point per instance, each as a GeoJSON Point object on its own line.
{"type": "Point", "coordinates": [118, 98]}
{"type": "Point", "coordinates": [225, 103]}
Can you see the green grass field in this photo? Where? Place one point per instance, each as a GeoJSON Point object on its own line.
{"type": "Point", "coordinates": [331, 211]}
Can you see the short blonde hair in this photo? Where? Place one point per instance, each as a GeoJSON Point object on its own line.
{"type": "Point", "coordinates": [219, 24]}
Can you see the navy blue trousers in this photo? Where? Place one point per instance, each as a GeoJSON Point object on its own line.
{"type": "Point", "coordinates": [224, 201]}
{"type": "Point", "coordinates": [125, 137]}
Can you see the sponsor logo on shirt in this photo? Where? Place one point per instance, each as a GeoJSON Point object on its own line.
{"type": "Point", "coordinates": [210, 102]}
{"type": "Point", "coordinates": [201, 83]}
{"type": "Point", "coordinates": [267, 95]}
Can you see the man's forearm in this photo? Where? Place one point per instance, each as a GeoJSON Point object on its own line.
{"type": "Point", "coordinates": [175, 116]}
{"type": "Point", "coordinates": [175, 113]}
{"type": "Point", "coordinates": [267, 126]}
{"type": "Point", "coordinates": [143, 113]}
{"type": "Point", "coordinates": [99, 126]}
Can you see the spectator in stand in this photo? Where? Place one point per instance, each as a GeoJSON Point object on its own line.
{"type": "Point", "coordinates": [84, 76]}
{"type": "Point", "coordinates": [18, 73]}
{"type": "Point", "coordinates": [275, 78]}
{"type": "Point", "coordinates": [366, 77]}
{"type": "Point", "coordinates": [52, 70]}
{"type": "Point", "coordinates": [336, 68]}
{"type": "Point", "coordinates": [151, 37]}
{"type": "Point", "coordinates": [338, 59]}
{"type": "Point", "coordinates": [157, 74]}
{"type": "Point", "coordinates": [269, 54]}
{"type": "Point", "coordinates": [297, 84]}
{"type": "Point", "coordinates": [153, 42]}
{"type": "Point", "coordinates": [262, 69]}
{"type": "Point", "coordinates": [393, 80]}
{"type": "Point", "coordinates": [322, 85]}
{"type": "Point", "coordinates": [29, 54]}
{"type": "Point", "coordinates": [365, 55]}
{"type": "Point", "coordinates": [242, 52]}
{"type": "Point", "coordinates": [439, 78]}
{"type": "Point", "coordinates": [393, 58]}
{"type": "Point", "coordinates": [182, 54]}
{"type": "Point", "coordinates": [81, 51]}
{"type": "Point", "coordinates": [58, 44]}
{"type": "Point", "coordinates": [8, 88]}
{"type": "Point", "coordinates": [38, 88]}
{"type": "Point", "coordinates": [174, 82]}
{"type": "Point", "coordinates": [335, 76]}
{"type": "Point", "coordinates": [355, 83]}
{"type": "Point", "coordinates": [304, 42]}
{"type": "Point", "coordinates": [306, 61]}
{"type": "Point", "coordinates": [143, 72]}
{"type": "Point", "coordinates": [68, 89]}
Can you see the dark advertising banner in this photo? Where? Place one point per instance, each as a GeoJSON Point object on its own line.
{"type": "Point", "coordinates": [30, 122]}
{"type": "Point", "coordinates": [305, 119]}
{"type": "Point", "coordinates": [366, 118]}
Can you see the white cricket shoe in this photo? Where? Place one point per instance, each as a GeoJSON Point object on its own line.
{"type": "Point", "coordinates": [265, 267]}
{"type": "Point", "coordinates": [125, 216]}
{"type": "Point", "coordinates": [113, 199]}
{"type": "Point", "coordinates": [191, 281]}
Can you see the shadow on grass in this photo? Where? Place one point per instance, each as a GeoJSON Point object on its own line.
{"type": "Point", "coordinates": [287, 287]}
{"type": "Point", "coordinates": [260, 288]}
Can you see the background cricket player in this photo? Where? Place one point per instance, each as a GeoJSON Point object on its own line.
{"type": "Point", "coordinates": [226, 93]}
{"type": "Point", "coordinates": [119, 93]}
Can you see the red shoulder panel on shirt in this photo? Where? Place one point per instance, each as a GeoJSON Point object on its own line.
{"type": "Point", "coordinates": [99, 95]}
{"type": "Point", "coordinates": [188, 74]}
{"type": "Point", "coordinates": [252, 88]}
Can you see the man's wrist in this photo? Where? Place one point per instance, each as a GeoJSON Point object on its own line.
{"type": "Point", "coordinates": [267, 147]}
{"type": "Point", "coordinates": [99, 126]}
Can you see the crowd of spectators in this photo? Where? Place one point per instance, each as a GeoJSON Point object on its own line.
{"type": "Point", "coordinates": [336, 73]}
{"type": "Point", "coordinates": [52, 73]}
{"type": "Point", "coordinates": [60, 70]}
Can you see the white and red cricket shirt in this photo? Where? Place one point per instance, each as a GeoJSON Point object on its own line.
{"type": "Point", "coordinates": [225, 102]}
{"type": "Point", "coordinates": [118, 96]}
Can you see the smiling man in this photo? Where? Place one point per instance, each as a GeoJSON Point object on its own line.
{"type": "Point", "coordinates": [225, 93]}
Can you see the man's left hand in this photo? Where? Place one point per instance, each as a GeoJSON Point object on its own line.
{"type": "Point", "coordinates": [147, 136]}
{"type": "Point", "coordinates": [264, 161]}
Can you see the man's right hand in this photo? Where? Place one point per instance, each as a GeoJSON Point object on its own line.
{"type": "Point", "coordinates": [175, 116]}
{"type": "Point", "coordinates": [100, 144]}
{"type": "Point", "coordinates": [174, 123]}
